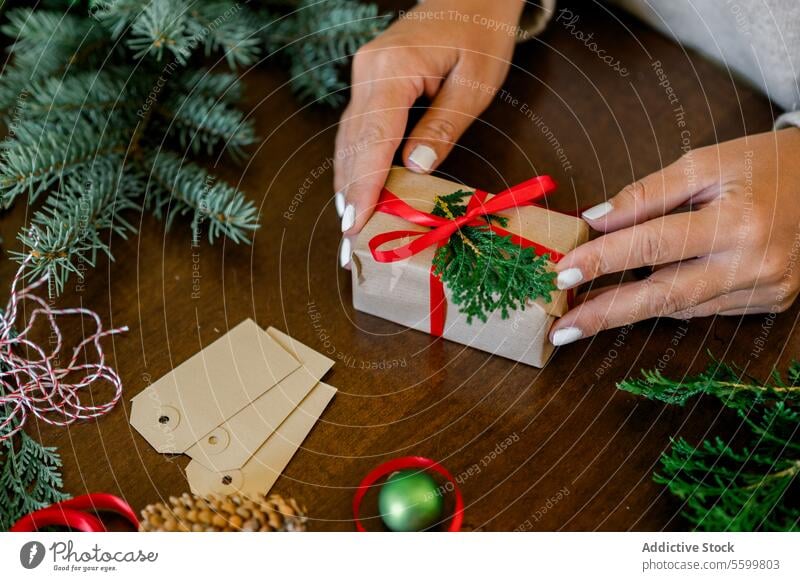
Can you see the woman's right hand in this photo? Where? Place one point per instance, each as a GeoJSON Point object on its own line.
{"type": "Point", "coordinates": [455, 52]}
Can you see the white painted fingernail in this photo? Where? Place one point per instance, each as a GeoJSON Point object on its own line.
{"type": "Point", "coordinates": [569, 278]}
{"type": "Point", "coordinates": [338, 201]}
{"type": "Point", "coordinates": [566, 335]}
{"type": "Point", "coordinates": [344, 253]}
{"type": "Point", "coordinates": [348, 217]}
{"type": "Point", "coordinates": [422, 159]}
{"type": "Point", "coordinates": [597, 211]}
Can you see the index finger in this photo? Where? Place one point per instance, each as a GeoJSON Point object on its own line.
{"type": "Point", "coordinates": [380, 119]}
{"type": "Point", "coordinates": [660, 241]}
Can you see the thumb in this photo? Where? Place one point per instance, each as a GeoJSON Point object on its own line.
{"type": "Point", "coordinates": [459, 101]}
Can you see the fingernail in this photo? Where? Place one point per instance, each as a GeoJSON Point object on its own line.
{"type": "Point", "coordinates": [423, 157]}
{"type": "Point", "coordinates": [338, 201]}
{"type": "Point", "coordinates": [566, 335]}
{"type": "Point", "coordinates": [344, 253]}
{"type": "Point", "coordinates": [597, 211]}
{"type": "Point", "coordinates": [569, 278]}
{"type": "Point", "coordinates": [348, 217]}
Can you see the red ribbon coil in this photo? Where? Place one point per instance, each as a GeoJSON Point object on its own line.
{"type": "Point", "coordinates": [406, 463]}
{"type": "Point", "coordinates": [76, 514]}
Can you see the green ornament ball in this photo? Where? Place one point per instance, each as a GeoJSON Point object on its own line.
{"type": "Point", "coordinates": [410, 500]}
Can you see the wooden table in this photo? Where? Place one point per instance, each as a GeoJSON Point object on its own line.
{"type": "Point", "coordinates": [517, 437]}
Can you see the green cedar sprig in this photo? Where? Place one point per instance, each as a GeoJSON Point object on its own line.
{"type": "Point", "coordinates": [747, 485]}
{"type": "Point", "coordinates": [30, 477]}
{"type": "Point", "coordinates": [486, 272]}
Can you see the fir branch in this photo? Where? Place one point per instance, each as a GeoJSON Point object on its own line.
{"type": "Point", "coordinates": [116, 15]}
{"type": "Point", "coordinates": [40, 155]}
{"type": "Point", "coordinates": [226, 27]}
{"type": "Point", "coordinates": [70, 121]}
{"type": "Point", "coordinates": [98, 96]}
{"type": "Point", "coordinates": [45, 41]}
{"type": "Point", "coordinates": [486, 272]}
{"type": "Point", "coordinates": [318, 41]}
{"type": "Point", "coordinates": [66, 235]}
{"type": "Point", "coordinates": [223, 86]}
{"type": "Point", "coordinates": [178, 188]}
{"type": "Point", "coordinates": [162, 26]}
{"type": "Point", "coordinates": [205, 123]}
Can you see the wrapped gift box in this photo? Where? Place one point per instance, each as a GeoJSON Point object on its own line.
{"type": "Point", "coordinates": [400, 291]}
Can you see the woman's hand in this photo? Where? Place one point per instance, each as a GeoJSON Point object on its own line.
{"type": "Point", "coordinates": [734, 252]}
{"type": "Point", "coordinates": [457, 53]}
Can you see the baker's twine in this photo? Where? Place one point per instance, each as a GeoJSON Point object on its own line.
{"type": "Point", "coordinates": [38, 385]}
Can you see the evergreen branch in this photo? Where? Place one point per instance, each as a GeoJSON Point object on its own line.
{"type": "Point", "coordinates": [205, 123]}
{"type": "Point", "coordinates": [225, 26]}
{"type": "Point", "coordinates": [69, 121]}
{"type": "Point", "coordinates": [97, 96]}
{"type": "Point", "coordinates": [29, 477]}
{"type": "Point", "coordinates": [116, 15]}
{"type": "Point", "coordinates": [179, 188]}
{"type": "Point", "coordinates": [720, 380]}
{"type": "Point", "coordinates": [221, 86]}
{"type": "Point", "coordinates": [66, 234]}
{"type": "Point", "coordinates": [162, 25]}
{"type": "Point", "coordinates": [317, 42]}
{"type": "Point", "coordinates": [316, 80]}
{"type": "Point", "coordinates": [39, 155]}
{"type": "Point", "coordinates": [486, 272]}
{"type": "Point", "coordinates": [336, 32]}
{"type": "Point", "coordinates": [722, 488]}
{"type": "Point", "coordinates": [44, 41]}
{"type": "Point", "coordinates": [725, 490]}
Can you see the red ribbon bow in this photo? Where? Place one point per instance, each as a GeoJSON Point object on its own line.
{"type": "Point", "coordinates": [522, 194]}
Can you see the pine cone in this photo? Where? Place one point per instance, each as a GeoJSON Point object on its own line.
{"type": "Point", "coordinates": [190, 513]}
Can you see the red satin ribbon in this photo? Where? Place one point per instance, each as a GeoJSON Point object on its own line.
{"type": "Point", "coordinates": [76, 514]}
{"type": "Point", "coordinates": [522, 194]}
{"type": "Point", "coordinates": [407, 463]}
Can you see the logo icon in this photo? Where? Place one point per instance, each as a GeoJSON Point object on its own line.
{"type": "Point", "coordinates": [31, 554]}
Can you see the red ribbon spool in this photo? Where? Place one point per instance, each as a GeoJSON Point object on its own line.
{"type": "Point", "coordinates": [406, 463]}
{"type": "Point", "coordinates": [76, 514]}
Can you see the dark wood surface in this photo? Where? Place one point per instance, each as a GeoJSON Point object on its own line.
{"type": "Point", "coordinates": [402, 392]}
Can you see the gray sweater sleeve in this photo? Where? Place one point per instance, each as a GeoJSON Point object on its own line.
{"type": "Point", "coordinates": [535, 18]}
{"type": "Point", "coordinates": [759, 42]}
{"type": "Point", "coordinates": [788, 119]}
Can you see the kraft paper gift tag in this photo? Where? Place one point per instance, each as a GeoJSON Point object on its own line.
{"type": "Point", "coordinates": [233, 443]}
{"type": "Point", "coordinates": [399, 291]}
{"type": "Point", "coordinates": [210, 387]}
{"type": "Point", "coordinates": [262, 470]}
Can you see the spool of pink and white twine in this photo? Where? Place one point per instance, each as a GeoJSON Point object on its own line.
{"type": "Point", "coordinates": [39, 385]}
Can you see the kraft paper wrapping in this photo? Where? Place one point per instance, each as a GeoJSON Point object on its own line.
{"type": "Point", "coordinates": [399, 291]}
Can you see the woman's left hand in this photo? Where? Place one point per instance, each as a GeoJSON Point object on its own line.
{"type": "Point", "coordinates": [733, 252]}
